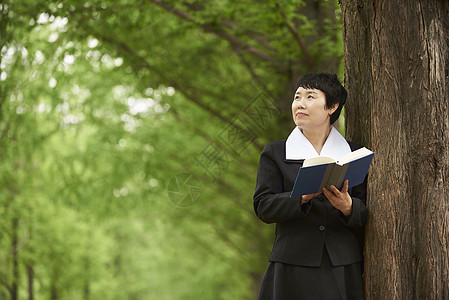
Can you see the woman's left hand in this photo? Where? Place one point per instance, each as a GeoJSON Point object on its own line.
{"type": "Point", "coordinates": [339, 199]}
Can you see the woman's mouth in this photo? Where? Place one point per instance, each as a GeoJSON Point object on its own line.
{"type": "Point", "coordinates": [299, 115]}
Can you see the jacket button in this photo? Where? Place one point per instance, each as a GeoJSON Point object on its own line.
{"type": "Point", "coordinates": [321, 228]}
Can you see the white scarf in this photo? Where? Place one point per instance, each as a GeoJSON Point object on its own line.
{"type": "Point", "coordinates": [298, 146]}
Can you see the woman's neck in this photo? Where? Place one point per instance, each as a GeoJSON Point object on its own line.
{"type": "Point", "coordinates": [317, 136]}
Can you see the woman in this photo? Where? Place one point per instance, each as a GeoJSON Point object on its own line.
{"type": "Point", "coordinates": [317, 251]}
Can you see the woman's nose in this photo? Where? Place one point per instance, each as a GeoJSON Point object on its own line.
{"type": "Point", "coordinates": [300, 102]}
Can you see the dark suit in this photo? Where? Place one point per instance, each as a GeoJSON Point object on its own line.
{"type": "Point", "coordinates": [302, 231]}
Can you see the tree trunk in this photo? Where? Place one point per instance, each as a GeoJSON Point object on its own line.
{"type": "Point", "coordinates": [86, 285]}
{"type": "Point", "coordinates": [397, 76]}
{"type": "Point", "coordinates": [30, 282]}
{"type": "Point", "coordinates": [53, 290]}
{"type": "Point", "coordinates": [15, 259]}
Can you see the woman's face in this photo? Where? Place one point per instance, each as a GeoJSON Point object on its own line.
{"type": "Point", "coordinates": [309, 108]}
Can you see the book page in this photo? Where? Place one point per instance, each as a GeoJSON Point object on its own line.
{"type": "Point", "coordinates": [354, 155]}
{"type": "Point", "coordinates": [319, 160]}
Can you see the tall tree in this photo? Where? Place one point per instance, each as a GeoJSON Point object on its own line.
{"type": "Point", "coordinates": [397, 76]}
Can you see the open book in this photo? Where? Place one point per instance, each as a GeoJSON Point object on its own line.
{"type": "Point", "coordinates": [321, 171]}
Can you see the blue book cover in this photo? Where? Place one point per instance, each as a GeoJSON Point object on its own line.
{"type": "Point", "coordinates": [321, 172]}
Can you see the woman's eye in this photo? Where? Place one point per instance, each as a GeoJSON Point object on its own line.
{"type": "Point", "coordinates": [310, 97]}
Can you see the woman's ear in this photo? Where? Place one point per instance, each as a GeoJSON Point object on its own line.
{"type": "Point", "coordinates": [333, 108]}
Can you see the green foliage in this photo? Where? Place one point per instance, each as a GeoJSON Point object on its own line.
{"type": "Point", "coordinates": [104, 103]}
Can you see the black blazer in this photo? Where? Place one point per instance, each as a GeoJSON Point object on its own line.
{"type": "Point", "coordinates": [302, 231]}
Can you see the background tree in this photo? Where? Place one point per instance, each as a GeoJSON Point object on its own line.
{"type": "Point", "coordinates": [396, 73]}
{"type": "Point", "coordinates": [106, 104]}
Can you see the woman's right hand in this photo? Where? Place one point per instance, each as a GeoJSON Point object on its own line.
{"type": "Point", "coordinates": [306, 198]}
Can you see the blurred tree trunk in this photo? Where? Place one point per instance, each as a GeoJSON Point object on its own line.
{"type": "Point", "coordinates": [396, 73]}
{"type": "Point", "coordinates": [30, 282]}
{"type": "Point", "coordinates": [15, 260]}
{"type": "Point", "coordinates": [86, 284]}
{"type": "Point", "coordinates": [53, 290]}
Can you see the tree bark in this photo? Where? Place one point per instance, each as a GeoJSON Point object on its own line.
{"type": "Point", "coordinates": [397, 77]}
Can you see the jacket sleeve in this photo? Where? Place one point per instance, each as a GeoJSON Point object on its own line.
{"type": "Point", "coordinates": [271, 203]}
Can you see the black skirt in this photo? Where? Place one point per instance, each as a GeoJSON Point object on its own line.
{"type": "Point", "coordinates": [290, 282]}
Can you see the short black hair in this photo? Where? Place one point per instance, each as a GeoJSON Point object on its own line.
{"type": "Point", "coordinates": [329, 84]}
